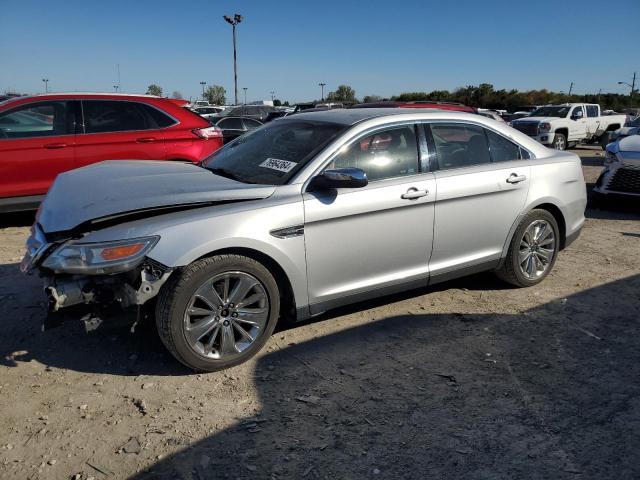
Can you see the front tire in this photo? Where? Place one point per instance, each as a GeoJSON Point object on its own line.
{"type": "Point", "coordinates": [532, 251]}
{"type": "Point", "coordinates": [559, 141]}
{"type": "Point", "coordinates": [218, 312]}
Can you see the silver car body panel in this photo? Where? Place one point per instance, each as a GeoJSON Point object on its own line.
{"type": "Point", "coordinates": [348, 243]}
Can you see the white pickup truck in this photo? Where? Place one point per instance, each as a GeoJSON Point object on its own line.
{"type": "Point", "coordinates": [561, 126]}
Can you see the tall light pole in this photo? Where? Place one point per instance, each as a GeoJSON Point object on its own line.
{"type": "Point", "coordinates": [46, 85]}
{"type": "Point", "coordinates": [245, 95]}
{"type": "Point", "coordinates": [237, 18]}
{"type": "Point", "coordinates": [272, 95]}
{"type": "Point", "coordinates": [322, 90]}
{"type": "Point", "coordinates": [632, 85]}
{"type": "Point", "coordinates": [570, 88]}
{"type": "Point", "coordinates": [203, 84]}
{"type": "Point", "coordinates": [115, 87]}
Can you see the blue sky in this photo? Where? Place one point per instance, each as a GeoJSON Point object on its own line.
{"type": "Point", "coordinates": [289, 46]}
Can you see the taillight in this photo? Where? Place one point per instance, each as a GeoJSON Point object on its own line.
{"type": "Point", "coordinates": [208, 133]}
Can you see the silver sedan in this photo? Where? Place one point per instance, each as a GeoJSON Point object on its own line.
{"type": "Point", "coordinates": [300, 216]}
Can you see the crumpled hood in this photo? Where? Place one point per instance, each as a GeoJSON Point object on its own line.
{"type": "Point", "coordinates": [118, 187]}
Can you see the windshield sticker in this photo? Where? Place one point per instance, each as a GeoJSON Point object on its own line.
{"type": "Point", "coordinates": [280, 165]}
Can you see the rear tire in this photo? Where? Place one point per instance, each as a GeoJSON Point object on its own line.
{"type": "Point", "coordinates": [559, 141]}
{"type": "Point", "coordinates": [532, 251]}
{"type": "Point", "coordinates": [200, 324]}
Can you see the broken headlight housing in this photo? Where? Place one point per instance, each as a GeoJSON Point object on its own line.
{"type": "Point", "coordinates": [99, 258]}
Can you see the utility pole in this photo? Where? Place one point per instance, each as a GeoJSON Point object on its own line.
{"type": "Point", "coordinates": [570, 88]}
{"type": "Point", "coordinates": [203, 84]}
{"type": "Point", "coordinates": [632, 85]}
{"type": "Point", "coordinates": [272, 95]}
{"type": "Point", "coordinates": [599, 92]}
{"type": "Point", "coordinates": [237, 18]}
{"type": "Point", "coordinates": [322, 90]}
{"type": "Point", "coordinates": [46, 85]}
{"type": "Point", "coordinates": [245, 95]}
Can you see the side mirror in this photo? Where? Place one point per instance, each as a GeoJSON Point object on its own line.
{"type": "Point", "coordinates": [340, 178]}
{"type": "Point", "coordinates": [577, 115]}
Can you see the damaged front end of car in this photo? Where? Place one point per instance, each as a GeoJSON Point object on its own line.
{"type": "Point", "coordinates": [95, 282]}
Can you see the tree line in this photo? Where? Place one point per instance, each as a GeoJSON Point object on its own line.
{"type": "Point", "coordinates": [483, 96]}
{"type": "Point", "coordinates": [486, 96]}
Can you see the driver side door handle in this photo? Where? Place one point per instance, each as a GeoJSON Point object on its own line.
{"type": "Point", "coordinates": [515, 178]}
{"type": "Point", "coordinates": [414, 193]}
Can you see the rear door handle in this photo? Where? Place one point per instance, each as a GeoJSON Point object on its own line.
{"type": "Point", "coordinates": [414, 193]}
{"type": "Point", "coordinates": [515, 178]}
{"type": "Point", "coordinates": [55, 145]}
{"type": "Point", "coordinates": [145, 139]}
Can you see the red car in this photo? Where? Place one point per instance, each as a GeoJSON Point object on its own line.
{"type": "Point", "coordinates": [44, 135]}
{"type": "Point", "coordinates": [456, 107]}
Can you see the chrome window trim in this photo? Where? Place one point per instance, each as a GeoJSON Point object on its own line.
{"type": "Point", "coordinates": [177, 122]}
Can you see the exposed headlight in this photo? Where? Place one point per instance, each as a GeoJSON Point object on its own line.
{"type": "Point", "coordinates": [99, 258]}
{"type": "Point", "coordinates": [544, 127]}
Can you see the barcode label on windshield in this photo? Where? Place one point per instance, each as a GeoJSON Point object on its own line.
{"type": "Point", "coordinates": [280, 165]}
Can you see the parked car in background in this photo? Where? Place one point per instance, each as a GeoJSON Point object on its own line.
{"type": "Point", "coordinates": [561, 126]}
{"type": "Point", "coordinates": [233, 127]}
{"type": "Point", "coordinates": [631, 127]}
{"type": "Point", "coordinates": [301, 216]}
{"type": "Point", "coordinates": [276, 114]}
{"type": "Point", "coordinates": [257, 112]}
{"type": "Point", "coordinates": [207, 112]}
{"type": "Point", "coordinates": [44, 135]}
{"type": "Point", "coordinates": [491, 114]}
{"type": "Point", "coordinates": [452, 106]}
{"type": "Point", "coordinates": [621, 173]}
{"type": "Point", "coordinates": [510, 117]}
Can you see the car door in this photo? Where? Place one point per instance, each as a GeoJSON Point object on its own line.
{"type": "Point", "coordinates": [376, 237]}
{"type": "Point", "coordinates": [36, 144]}
{"type": "Point", "coordinates": [118, 130]}
{"type": "Point", "coordinates": [232, 128]}
{"type": "Point", "coordinates": [593, 120]}
{"type": "Point", "coordinates": [482, 183]}
{"type": "Point", "coordinates": [577, 123]}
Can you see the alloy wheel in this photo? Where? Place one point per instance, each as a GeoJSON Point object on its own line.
{"type": "Point", "coordinates": [537, 249]}
{"type": "Point", "coordinates": [559, 143]}
{"type": "Point", "coordinates": [226, 315]}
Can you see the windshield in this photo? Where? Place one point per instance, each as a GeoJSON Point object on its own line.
{"type": "Point", "coordinates": [560, 112]}
{"type": "Point", "coordinates": [272, 154]}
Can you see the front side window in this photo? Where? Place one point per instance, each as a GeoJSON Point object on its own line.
{"type": "Point", "coordinates": [460, 145]}
{"type": "Point", "coordinates": [577, 111]}
{"type": "Point", "coordinates": [384, 154]}
{"type": "Point", "coordinates": [102, 116]}
{"type": "Point", "coordinates": [42, 119]}
{"type": "Point", "coordinates": [273, 153]}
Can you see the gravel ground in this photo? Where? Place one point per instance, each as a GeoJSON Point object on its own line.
{"type": "Point", "coordinates": [469, 379]}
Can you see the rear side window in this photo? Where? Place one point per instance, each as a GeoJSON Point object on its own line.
{"type": "Point", "coordinates": [502, 150]}
{"type": "Point", "coordinates": [101, 116]}
{"type": "Point", "coordinates": [460, 145]}
{"type": "Point", "coordinates": [231, 123]}
{"type": "Point", "coordinates": [250, 124]}
{"type": "Point", "coordinates": [42, 119]}
{"type": "Point", "coordinates": [592, 111]}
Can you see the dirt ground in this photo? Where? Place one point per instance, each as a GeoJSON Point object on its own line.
{"type": "Point", "coordinates": [469, 379]}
